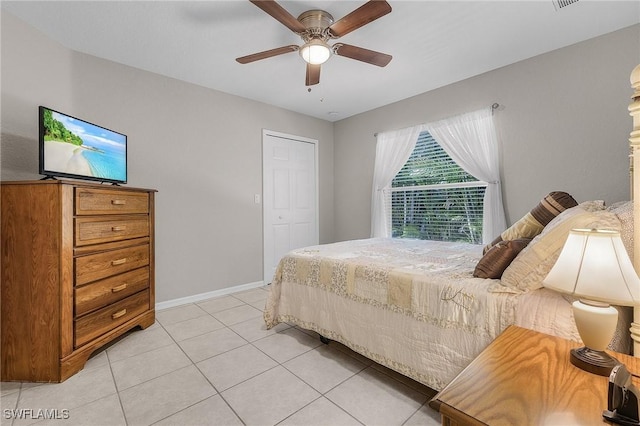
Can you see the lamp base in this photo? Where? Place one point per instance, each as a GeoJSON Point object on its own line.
{"type": "Point", "coordinates": [596, 362]}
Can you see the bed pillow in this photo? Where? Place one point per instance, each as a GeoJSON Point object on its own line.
{"type": "Point", "coordinates": [534, 222]}
{"type": "Point", "coordinates": [496, 260]}
{"type": "Point", "coordinates": [534, 262]}
{"type": "Point", "coordinates": [624, 211]}
{"type": "Point", "coordinates": [592, 206]}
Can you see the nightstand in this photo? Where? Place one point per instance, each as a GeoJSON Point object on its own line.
{"type": "Point", "coordinates": [525, 378]}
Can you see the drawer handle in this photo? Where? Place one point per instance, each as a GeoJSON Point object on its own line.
{"type": "Point", "coordinates": [118, 314]}
{"type": "Point", "coordinates": [118, 202]}
{"type": "Point", "coordinates": [119, 288]}
{"type": "Point", "coordinates": [118, 228]}
{"type": "Point", "coordinates": [118, 261]}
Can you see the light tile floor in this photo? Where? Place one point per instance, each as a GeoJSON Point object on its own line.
{"type": "Point", "coordinates": [214, 363]}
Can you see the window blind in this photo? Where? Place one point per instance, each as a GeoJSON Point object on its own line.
{"type": "Point", "coordinates": [433, 198]}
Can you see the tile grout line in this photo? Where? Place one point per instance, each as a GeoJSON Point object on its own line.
{"type": "Point", "coordinates": [115, 385]}
{"type": "Point", "coordinates": [278, 364]}
{"type": "Point", "coordinates": [281, 364]}
{"type": "Point", "coordinates": [322, 394]}
{"type": "Point", "coordinates": [203, 375]}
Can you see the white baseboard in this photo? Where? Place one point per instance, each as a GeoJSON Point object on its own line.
{"type": "Point", "coordinates": [207, 295]}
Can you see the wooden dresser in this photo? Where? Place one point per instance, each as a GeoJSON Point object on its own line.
{"type": "Point", "coordinates": [77, 272]}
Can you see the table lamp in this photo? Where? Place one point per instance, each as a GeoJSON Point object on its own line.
{"type": "Point", "coordinates": [595, 267]}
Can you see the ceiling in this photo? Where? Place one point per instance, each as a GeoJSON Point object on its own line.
{"type": "Point", "coordinates": [433, 43]}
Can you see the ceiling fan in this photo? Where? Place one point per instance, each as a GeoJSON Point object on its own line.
{"type": "Point", "coordinates": [316, 27]}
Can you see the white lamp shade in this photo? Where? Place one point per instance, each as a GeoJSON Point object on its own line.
{"type": "Point", "coordinates": [315, 52]}
{"type": "Point", "coordinates": [594, 265]}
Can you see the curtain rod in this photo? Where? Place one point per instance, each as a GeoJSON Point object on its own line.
{"type": "Point", "coordinates": [494, 106]}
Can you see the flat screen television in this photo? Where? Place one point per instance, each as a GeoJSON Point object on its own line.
{"type": "Point", "coordinates": [74, 148]}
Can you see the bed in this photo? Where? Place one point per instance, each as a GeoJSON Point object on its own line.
{"type": "Point", "coordinates": [416, 307]}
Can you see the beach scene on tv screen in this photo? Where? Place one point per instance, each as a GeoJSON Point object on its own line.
{"type": "Point", "coordinates": [76, 147]}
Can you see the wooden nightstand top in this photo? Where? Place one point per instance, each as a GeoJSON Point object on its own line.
{"type": "Point", "coordinates": [525, 378]}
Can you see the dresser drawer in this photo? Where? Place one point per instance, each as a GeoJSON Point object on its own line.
{"type": "Point", "coordinates": [95, 230]}
{"type": "Point", "coordinates": [104, 292]}
{"type": "Point", "coordinates": [91, 201]}
{"type": "Point", "coordinates": [99, 322]}
{"type": "Point", "coordinates": [102, 265]}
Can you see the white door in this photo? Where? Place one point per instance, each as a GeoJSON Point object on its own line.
{"type": "Point", "coordinates": [290, 196]}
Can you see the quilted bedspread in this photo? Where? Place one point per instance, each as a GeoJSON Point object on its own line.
{"type": "Point", "coordinates": [430, 281]}
{"type": "Point", "coordinates": [410, 305]}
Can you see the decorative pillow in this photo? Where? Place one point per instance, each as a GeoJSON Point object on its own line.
{"type": "Point", "coordinates": [592, 206]}
{"type": "Point", "coordinates": [624, 211]}
{"type": "Point", "coordinates": [533, 222]}
{"type": "Point", "coordinates": [534, 262]}
{"type": "Point", "coordinates": [496, 260]}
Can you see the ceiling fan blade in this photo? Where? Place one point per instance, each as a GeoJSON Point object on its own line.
{"type": "Point", "coordinates": [267, 54]}
{"type": "Point", "coordinates": [368, 12]}
{"type": "Point", "coordinates": [313, 74]}
{"type": "Point", "coordinates": [280, 14]}
{"type": "Point", "coordinates": [362, 54]}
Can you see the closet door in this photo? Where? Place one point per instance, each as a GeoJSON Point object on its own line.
{"type": "Point", "coordinates": [290, 196]}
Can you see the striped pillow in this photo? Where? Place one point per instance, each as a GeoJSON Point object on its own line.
{"type": "Point", "coordinates": [499, 257]}
{"type": "Point", "coordinates": [534, 222]}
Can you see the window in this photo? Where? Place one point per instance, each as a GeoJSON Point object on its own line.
{"type": "Point", "coordinates": [433, 198]}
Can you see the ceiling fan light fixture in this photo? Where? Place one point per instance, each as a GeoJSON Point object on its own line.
{"type": "Point", "coordinates": [315, 27]}
{"type": "Point", "coordinates": [315, 52]}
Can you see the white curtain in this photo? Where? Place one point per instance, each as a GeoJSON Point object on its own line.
{"type": "Point", "coordinates": [470, 140]}
{"type": "Point", "coordinates": [393, 149]}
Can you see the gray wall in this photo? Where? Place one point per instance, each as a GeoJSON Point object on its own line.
{"type": "Point", "coordinates": [564, 125]}
{"type": "Point", "coordinates": [201, 149]}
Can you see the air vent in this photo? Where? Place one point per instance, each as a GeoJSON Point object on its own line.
{"type": "Point", "coordinates": [559, 4]}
